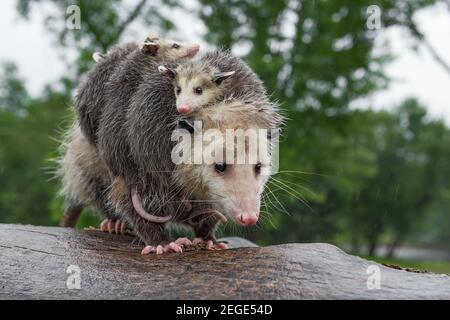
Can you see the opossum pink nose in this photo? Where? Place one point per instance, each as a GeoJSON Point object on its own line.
{"type": "Point", "coordinates": [248, 219]}
{"type": "Point", "coordinates": [184, 108]}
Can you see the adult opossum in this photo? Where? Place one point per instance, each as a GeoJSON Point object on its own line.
{"type": "Point", "coordinates": [134, 140]}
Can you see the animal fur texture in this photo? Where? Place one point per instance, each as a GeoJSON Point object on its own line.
{"type": "Point", "coordinates": [121, 139]}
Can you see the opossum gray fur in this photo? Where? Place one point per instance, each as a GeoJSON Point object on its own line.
{"type": "Point", "coordinates": [90, 99]}
{"type": "Point", "coordinates": [85, 178]}
{"type": "Point", "coordinates": [92, 95]}
{"type": "Point", "coordinates": [134, 142]}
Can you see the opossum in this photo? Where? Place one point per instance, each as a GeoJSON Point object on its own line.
{"type": "Point", "coordinates": [90, 100]}
{"type": "Point", "coordinates": [214, 77]}
{"type": "Point", "coordinates": [134, 141]}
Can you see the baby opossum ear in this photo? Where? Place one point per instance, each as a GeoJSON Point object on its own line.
{"type": "Point", "coordinates": [186, 124]}
{"type": "Point", "coordinates": [150, 47]}
{"type": "Point", "coordinates": [167, 71]}
{"type": "Point", "coordinates": [97, 56]}
{"type": "Point", "coordinates": [218, 77]}
{"type": "Point", "coordinates": [152, 37]}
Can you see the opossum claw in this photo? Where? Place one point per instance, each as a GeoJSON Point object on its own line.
{"type": "Point", "coordinates": [118, 226]}
{"type": "Point", "coordinates": [148, 250]}
{"type": "Point", "coordinates": [183, 241]}
{"type": "Point", "coordinates": [221, 245]}
{"type": "Point", "coordinates": [174, 246]}
{"type": "Point", "coordinates": [137, 204]}
{"type": "Point", "coordinates": [104, 225]}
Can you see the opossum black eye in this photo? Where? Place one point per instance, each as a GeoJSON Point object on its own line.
{"type": "Point", "coordinates": [198, 90]}
{"type": "Point", "coordinates": [178, 90]}
{"type": "Point", "coordinates": [258, 168]}
{"type": "Point", "coordinates": [221, 167]}
{"type": "Point", "coordinates": [176, 46]}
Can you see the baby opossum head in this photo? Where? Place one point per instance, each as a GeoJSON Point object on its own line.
{"type": "Point", "coordinates": [227, 177]}
{"type": "Point", "coordinates": [168, 50]}
{"type": "Point", "coordinates": [197, 85]}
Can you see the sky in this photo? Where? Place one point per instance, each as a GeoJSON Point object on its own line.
{"type": "Point", "coordinates": [413, 73]}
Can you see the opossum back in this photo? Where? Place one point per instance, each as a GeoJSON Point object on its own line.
{"type": "Point", "coordinates": [90, 99]}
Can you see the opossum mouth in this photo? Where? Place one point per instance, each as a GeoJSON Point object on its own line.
{"type": "Point", "coordinates": [208, 212]}
{"type": "Point", "coordinates": [137, 204]}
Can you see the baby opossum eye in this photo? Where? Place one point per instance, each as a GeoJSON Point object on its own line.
{"type": "Point", "coordinates": [178, 90]}
{"type": "Point", "coordinates": [221, 167]}
{"type": "Point", "coordinates": [258, 168]}
{"type": "Point", "coordinates": [198, 90]}
{"type": "Point", "coordinates": [176, 46]}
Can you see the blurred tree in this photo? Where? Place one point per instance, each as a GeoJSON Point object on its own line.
{"type": "Point", "coordinates": [26, 129]}
{"type": "Point", "coordinates": [359, 177]}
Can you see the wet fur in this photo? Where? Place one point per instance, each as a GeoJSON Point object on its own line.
{"type": "Point", "coordinates": [127, 144]}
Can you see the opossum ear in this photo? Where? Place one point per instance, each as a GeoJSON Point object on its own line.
{"type": "Point", "coordinates": [167, 71]}
{"type": "Point", "coordinates": [152, 37]}
{"type": "Point", "coordinates": [218, 77]}
{"type": "Point", "coordinates": [150, 47]}
{"type": "Point", "coordinates": [186, 124]}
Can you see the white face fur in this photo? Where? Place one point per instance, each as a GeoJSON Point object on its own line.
{"type": "Point", "coordinates": [233, 189]}
{"type": "Point", "coordinates": [196, 89]}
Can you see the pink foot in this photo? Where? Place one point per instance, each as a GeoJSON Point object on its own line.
{"type": "Point", "coordinates": [175, 246]}
{"type": "Point", "coordinates": [210, 245]}
{"type": "Point", "coordinates": [118, 226]}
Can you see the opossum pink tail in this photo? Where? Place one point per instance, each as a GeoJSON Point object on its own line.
{"type": "Point", "coordinates": [137, 204]}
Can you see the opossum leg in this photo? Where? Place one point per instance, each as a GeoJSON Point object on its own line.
{"type": "Point", "coordinates": [174, 246]}
{"type": "Point", "coordinates": [206, 232]}
{"type": "Point", "coordinates": [71, 215]}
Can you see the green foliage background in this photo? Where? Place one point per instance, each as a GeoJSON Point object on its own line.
{"type": "Point", "coordinates": [353, 177]}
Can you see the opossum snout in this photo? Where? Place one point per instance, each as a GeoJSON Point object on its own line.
{"type": "Point", "coordinates": [248, 219]}
{"type": "Point", "coordinates": [192, 50]}
{"type": "Point", "coordinates": [183, 108]}
{"type": "Point", "coordinates": [247, 213]}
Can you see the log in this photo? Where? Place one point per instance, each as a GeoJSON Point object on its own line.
{"type": "Point", "coordinates": [62, 263]}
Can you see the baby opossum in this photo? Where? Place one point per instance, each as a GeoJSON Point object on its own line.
{"type": "Point", "coordinates": [90, 100]}
{"type": "Point", "coordinates": [214, 77]}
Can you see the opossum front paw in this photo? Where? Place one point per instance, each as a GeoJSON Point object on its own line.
{"type": "Point", "coordinates": [210, 244]}
{"type": "Point", "coordinates": [175, 246]}
{"type": "Point", "coordinates": [118, 226]}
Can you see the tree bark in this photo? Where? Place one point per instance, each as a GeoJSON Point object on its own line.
{"type": "Point", "coordinates": [43, 263]}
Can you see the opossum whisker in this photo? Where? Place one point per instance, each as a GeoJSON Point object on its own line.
{"type": "Point", "coordinates": [285, 184]}
{"type": "Point", "coordinates": [300, 186]}
{"type": "Point", "coordinates": [272, 193]}
{"type": "Point", "coordinates": [302, 172]}
{"type": "Point", "coordinates": [291, 192]}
